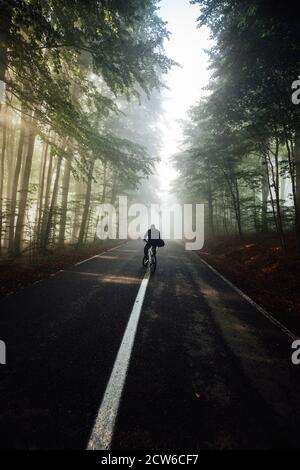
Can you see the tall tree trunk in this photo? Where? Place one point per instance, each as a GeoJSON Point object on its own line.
{"type": "Point", "coordinates": [103, 196]}
{"type": "Point", "coordinates": [255, 218]}
{"type": "Point", "coordinates": [46, 201]}
{"type": "Point", "coordinates": [5, 22]}
{"type": "Point", "coordinates": [64, 204]}
{"type": "Point", "coordinates": [238, 209]}
{"type": "Point", "coordinates": [86, 204]}
{"type": "Point", "coordinates": [4, 141]}
{"type": "Point", "coordinates": [297, 185]}
{"type": "Point", "coordinates": [292, 171]}
{"type": "Point", "coordinates": [13, 202]}
{"type": "Point", "coordinates": [275, 206]}
{"type": "Point", "coordinates": [39, 209]}
{"type": "Point", "coordinates": [10, 162]}
{"type": "Point", "coordinates": [24, 190]}
{"type": "Point", "coordinates": [77, 210]}
{"type": "Point", "coordinates": [235, 197]}
{"type": "Point", "coordinates": [264, 207]}
{"type": "Point", "coordinates": [52, 206]}
{"type": "Point", "coordinates": [297, 165]}
{"type": "Point", "coordinates": [276, 180]}
{"type": "Point", "coordinates": [114, 189]}
{"type": "Point", "coordinates": [104, 187]}
{"type": "Point", "coordinates": [210, 208]}
{"type": "Point", "coordinates": [225, 213]}
{"type": "Point", "coordinates": [88, 223]}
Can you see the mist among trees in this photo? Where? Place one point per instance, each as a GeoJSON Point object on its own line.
{"type": "Point", "coordinates": [79, 116]}
{"type": "Point", "coordinates": [241, 154]}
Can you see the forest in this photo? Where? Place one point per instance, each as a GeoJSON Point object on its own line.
{"type": "Point", "coordinates": [119, 329]}
{"type": "Point", "coordinates": [80, 124]}
{"type": "Point", "coordinates": [78, 115]}
{"type": "Point", "coordinates": [241, 151]}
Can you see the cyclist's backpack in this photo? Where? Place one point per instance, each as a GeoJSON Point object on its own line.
{"type": "Point", "coordinates": [160, 243]}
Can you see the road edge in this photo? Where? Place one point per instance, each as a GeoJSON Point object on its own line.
{"type": "Point", "coordinates": [264, 312]}
{"type": "Point", "coordinates": [39, 281]}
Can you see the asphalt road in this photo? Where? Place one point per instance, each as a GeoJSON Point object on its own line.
{"type": "Point", "coordinates": [207, 370]}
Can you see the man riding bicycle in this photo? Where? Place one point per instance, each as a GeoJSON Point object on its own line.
{"type": "Point", "coordinates": [152, 237]}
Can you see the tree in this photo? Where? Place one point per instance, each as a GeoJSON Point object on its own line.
{"type": "Point", "coordinates": [66, 66]}
{"type": "Point", "coordinates": [249, 110]}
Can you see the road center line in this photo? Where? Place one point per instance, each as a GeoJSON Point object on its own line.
{"type": "Point", "coordinates": [102, 432]}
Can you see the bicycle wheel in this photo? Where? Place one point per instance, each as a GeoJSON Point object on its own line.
{"type": "Point", "coordinates": [153, 264]}
{"type": "Point", "coordinates": [145, 261]}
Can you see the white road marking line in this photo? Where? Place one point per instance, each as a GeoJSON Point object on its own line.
{"type": "Point", "coordinates": [102, 432]}
{"type": "Point", "coordinates": [85, 260]}
{"type": "Point", "coordinates": [99, 255]}
{"type": "Point", "coordinates": [61, 271]}
{"type": "Point", "coordinates": [54, 274]}
{"type": "Point", "coordinates": [113, 248]}
{"type": "Point", "coordinates": [254, 304]}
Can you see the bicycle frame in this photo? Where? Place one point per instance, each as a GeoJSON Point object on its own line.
{"type": "Point", "coordinates": [150, 260]}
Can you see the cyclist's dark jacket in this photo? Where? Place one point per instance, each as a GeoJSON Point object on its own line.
{"type": "Point", "coordinates": [151, 240]}
{"type": "Point", "coordinates": [156, 234]}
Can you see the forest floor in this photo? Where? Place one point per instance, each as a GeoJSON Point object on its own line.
{"type": "Point", "coordinates": [260, 268]}
{"type": "Point", "coordinates": [25, 271]}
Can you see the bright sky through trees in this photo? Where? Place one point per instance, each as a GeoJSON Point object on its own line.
{"type": "Point", "coordinates": [186, 46]}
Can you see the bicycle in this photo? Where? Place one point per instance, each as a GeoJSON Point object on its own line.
{"type": "Point", "coordinates": [150, 260]}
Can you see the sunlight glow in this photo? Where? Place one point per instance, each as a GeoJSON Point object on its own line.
{"type": "Point", "coordinates": [185, 84]}
{"type": "Point", "coordinates": [121, 280]}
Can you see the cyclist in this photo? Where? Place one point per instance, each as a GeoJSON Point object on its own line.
{"type": "Point", "coordinates": [152, 237]}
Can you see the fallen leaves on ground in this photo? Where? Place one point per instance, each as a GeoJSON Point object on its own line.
{"type": "Point", "coordinates": [260, 268]}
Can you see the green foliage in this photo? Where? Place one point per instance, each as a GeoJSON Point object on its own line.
{"type": "Point", "coordinates": [54, 46]}
{"type": "Point", "coordinates": [244, 135]}
{"type": "Point", "coordinates": [71, 68]}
